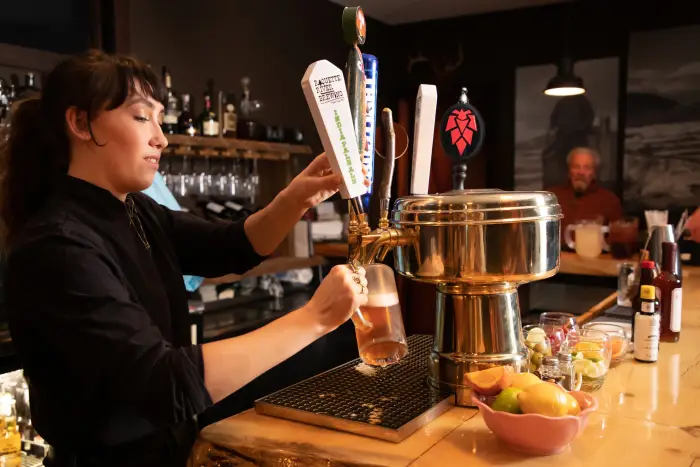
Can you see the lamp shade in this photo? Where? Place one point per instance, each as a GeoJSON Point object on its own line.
{"type": "Point", "coordinates": [565, 83]}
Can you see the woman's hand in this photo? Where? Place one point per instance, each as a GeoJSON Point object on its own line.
{"type": "Point", "coordinates": [336, 299]}
{"type": "Point", "coordinates": [693, 225]}
{"type": "Point", "coordinates": [315, 184]}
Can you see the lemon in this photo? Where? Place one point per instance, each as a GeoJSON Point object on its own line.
{"type": "Point", "coordinates": [524, 380]}
{"type": "Point", "coordinates": [507, 401]}
{"type": "Point", "coordinates": [544, 399]}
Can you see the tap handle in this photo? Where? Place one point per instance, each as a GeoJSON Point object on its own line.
{"type": "Point", "coordinates": [389, 154]}
{"type": "Point", "coordinates": [461, 135]}
{"type": "Point", "coordinates": [327, 98]}
{"type": "Point", "coordinates": [459, 176]}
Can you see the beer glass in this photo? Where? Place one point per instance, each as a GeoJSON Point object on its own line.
{"type": "Point", "coordinates": [589, 241]}
{"type": "Point", "coordinates": [384, 342]}
{"type": "Point", "coordinates": [624, 237]}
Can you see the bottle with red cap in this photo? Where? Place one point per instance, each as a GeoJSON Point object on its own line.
{"type": "Point", "coordinates": [647, 275]}
{"type": "Point", "coordinates": [669, 291]}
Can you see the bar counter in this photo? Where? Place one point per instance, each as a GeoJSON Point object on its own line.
{"type": "Point", "coordinates": [648, 415]}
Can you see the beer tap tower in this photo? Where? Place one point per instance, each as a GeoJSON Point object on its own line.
{"type": "Point", "coordinates": [475, 246]}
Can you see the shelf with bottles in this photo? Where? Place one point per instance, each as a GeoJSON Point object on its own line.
{"type": "Point", "coordinates": [11, 90]}
{"type": "Point", "coordinates": [226, 124]}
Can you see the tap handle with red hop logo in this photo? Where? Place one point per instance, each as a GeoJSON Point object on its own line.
{"type": "Point", "coordinates": [462, 130]}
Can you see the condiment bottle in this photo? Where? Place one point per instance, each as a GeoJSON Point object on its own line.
{"type": "Point", "coordinates": [647, 275]}
{"type": "Point", "coordinates": [566, 368]}
{"type": "Point", "coordinates": [647, 326]}
{"type": "Point", "coordinates": [669, 291]}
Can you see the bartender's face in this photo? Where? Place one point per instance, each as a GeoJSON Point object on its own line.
{"type": "Point", "coordinates": [131, 143]}
{"type": "Point", "coordinates": [581, 170]}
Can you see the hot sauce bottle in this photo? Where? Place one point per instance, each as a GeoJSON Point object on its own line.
{"type": "Point", "coordinates": [669, 291]}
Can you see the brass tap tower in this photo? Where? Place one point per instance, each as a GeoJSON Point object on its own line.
{"type": "Point", "coordinates": [367, 245]}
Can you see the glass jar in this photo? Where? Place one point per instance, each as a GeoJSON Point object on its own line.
{"type": "Point", "coordinates": [550, 371]}
{"type": "Point", "coordinates": [566, 368]}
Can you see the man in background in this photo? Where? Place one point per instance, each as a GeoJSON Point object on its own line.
{"type": "Point", "coordinates": [581, 198]}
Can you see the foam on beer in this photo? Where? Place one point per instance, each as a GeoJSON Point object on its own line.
{"type": "Point", "coordinates": [382, 299]}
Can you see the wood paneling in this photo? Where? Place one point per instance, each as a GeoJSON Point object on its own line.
{"type": "Point", "coordinates": [29, 59]}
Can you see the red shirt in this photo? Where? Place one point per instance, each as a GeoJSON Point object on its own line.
{"type": "Point", "coordinates": [595, 202]}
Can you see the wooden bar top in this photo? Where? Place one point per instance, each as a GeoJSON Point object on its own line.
{"type": "Point", "coordinates": [648, 415]}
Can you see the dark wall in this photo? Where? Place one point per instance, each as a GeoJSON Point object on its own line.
{"type": "Point", "coordinates": [271, 41]}
{"type": "Point", "coordinates": [61, 26]}
{"type": "Point", "coordinates": [496, 44]}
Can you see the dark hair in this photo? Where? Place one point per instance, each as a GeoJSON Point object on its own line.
{"type": "Point", "coordinates": [37, 152]}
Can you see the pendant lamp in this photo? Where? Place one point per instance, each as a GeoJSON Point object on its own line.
{"type": "Point", "coordinates": [565, 82]}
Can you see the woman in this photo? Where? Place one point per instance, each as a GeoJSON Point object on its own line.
{"type": "Point", "coordinates": [98, 310]}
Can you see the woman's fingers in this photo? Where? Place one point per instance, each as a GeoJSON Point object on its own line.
{"type": "Point", "coordinates": [319, 164]}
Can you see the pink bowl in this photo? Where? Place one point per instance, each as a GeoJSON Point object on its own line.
{"type": "Point", "coordinates": [533, 433]}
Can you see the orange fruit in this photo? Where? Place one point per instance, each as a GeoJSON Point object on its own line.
{"type": "Point", "coordinates": [492, 381]}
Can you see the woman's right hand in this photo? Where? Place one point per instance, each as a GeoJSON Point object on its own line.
{"type": "Point", "coordinates": [338, 296]}
{"type": "Point", "coordinates": [693, 225]}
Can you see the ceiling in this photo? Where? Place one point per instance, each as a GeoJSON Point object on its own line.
{"type": "Point", "coordinates": [395, 12]}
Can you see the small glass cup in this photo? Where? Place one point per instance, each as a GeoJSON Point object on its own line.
{"type": "Point", "coordinates": [558, 326]}
{"type": "Point", "coordinates": [384, 342]}
{"type": "Point", "coordinates": [625, 280]}
{"type": "Point", "coordinates": [538, 346]}
{"type": "Point", "coordinates": [591, 353]}
{"type": "Point", "coordinates": [624, 237]}
{"type": "Point", "coordinates": [619, 342]}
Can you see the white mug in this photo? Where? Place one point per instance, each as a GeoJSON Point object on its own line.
{"type": "Point", "coordinates": [589, 238]}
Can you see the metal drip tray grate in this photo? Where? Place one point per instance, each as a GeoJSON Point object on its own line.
{"type": "Point", "coordinates": [388, 403]}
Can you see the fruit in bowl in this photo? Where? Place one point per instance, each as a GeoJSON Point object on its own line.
{"type": "Point", "coordinates": [538, 418]}
{"type": "Point", "coordinates": [491, 381]}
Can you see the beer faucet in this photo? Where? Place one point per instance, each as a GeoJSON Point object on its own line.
{"type": "Point", "coordinates": [366, 245]}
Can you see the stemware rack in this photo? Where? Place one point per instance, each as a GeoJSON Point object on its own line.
{"type": "Point", "coordinates": [274, 164]}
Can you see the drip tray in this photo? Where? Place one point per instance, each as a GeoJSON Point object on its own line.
{"type": "Point", "coordinates": [387, 403]}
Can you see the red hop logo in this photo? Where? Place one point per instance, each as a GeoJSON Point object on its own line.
{"type": "Point", "coordinates": [462, 125]}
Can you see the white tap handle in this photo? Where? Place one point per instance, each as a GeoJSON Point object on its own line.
{"type": "Point", "coordinates": [424, 129]}
{"type": "Point", "coordinates": [327, 97]}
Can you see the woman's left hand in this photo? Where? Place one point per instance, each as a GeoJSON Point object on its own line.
{"type": "Point", "coordinates": [316, 183]}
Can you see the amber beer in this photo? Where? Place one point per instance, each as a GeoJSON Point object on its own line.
{"type": "Point", "coordinates": [385, 342]}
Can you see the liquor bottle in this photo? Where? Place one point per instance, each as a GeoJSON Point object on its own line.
{"type": "Point", "coordinates": [647, 327]}
{"type": "Point", "coordinates": [4, 103]}
{"type": "Point", "coordinates": [647, 276]}
{"type": "Point", "coordinates": [29, 89]}
{"type": "Point", "coordinates": [10, 437]}
{"type": "Point", "coordinates": [229, 117]}
{"type": "Point", "coordinates": [170, 104]}
{"type": "Point", "coordinates": [238, 211]}
{"type": "Point", "coordinates": [185, 122]}
{"type": "Point", "coordinates": [228, 211]}
{"type": "Point", "coordinates": [214, 209]}
{"type": "Point", "coordinates": [248, 109]}
{"type": "Point", "coordinates": [208, 121]}
{"type": "Point", "coordinates": [669, 291]}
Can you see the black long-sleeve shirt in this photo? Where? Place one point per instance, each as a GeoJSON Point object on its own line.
{"type": "Point", "coordinates": [101, 325]}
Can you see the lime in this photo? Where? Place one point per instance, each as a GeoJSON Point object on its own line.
{"type": "Point", "coordinates": [507, 401]}
{"type": "Point", "coordinates": [589, 368]}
